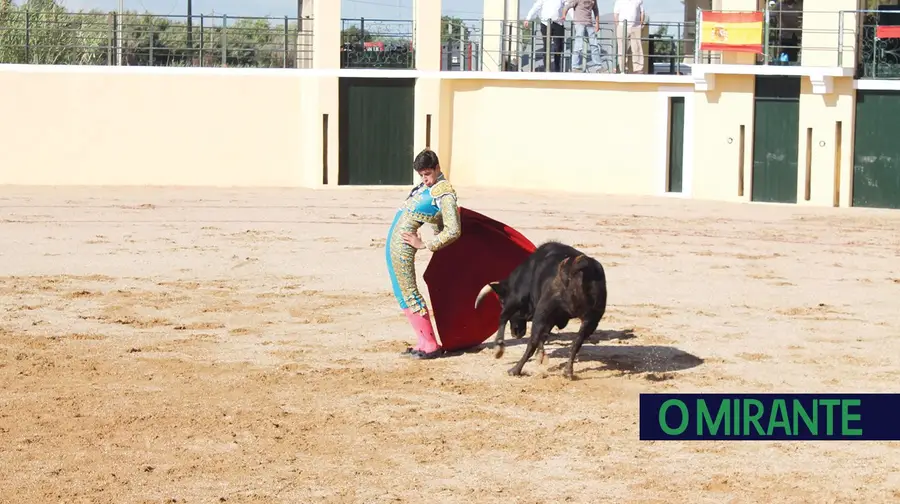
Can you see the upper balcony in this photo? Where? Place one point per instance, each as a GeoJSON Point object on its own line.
{"type": "Point", "coordinates": [861, 43]}
{"type": "Point", "coordinates": [864, 44]}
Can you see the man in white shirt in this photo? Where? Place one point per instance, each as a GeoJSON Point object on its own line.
{"type": "Point", "coordinates": [628, 15]}
{"type": "Point", "coordinates": [550, 11]}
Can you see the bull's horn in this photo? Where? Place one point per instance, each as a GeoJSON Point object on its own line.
{"type": "Point", "coordinates": [484, 292]}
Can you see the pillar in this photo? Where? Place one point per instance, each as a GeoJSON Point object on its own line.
{"type": "Point", "coordinates": [305, 29]}
{"type": "Point", "coordinates": [427, 30]}
{"type": "Point", "coordinates": [320, 94]}
{"type": "Point", "coordinates": [500, 34]}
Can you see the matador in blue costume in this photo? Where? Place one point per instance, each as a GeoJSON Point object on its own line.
{"type": "Point", "coordinates": [432, 202]}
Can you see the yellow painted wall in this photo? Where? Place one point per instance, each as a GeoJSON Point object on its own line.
{"type": "Point", "coordinates": [719, 115]}
{"type": "Point", "coordinates": [130, 128]}
{"type": "Point", "coordinates": [821, 113]}
{"type": "Point", "coordinates": [193, 127]}
{"type": "Point", "coordinates": [823, 31]}
{"type": "Point", "coordinates": [575, 136]}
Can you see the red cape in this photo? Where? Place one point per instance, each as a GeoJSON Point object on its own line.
{"type": "Point", "coordinates": [486, 251]}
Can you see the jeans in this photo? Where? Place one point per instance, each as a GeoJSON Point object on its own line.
{"type": "Point", "coordinates": [554, 41]}
{"type": "Point", "coordinates": [578, 32]}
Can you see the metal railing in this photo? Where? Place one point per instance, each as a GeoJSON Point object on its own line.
{"type": "Point", "coordinates": [879, 44]}
{"type": "Point", "coordinates": [377, 43]}
{"type": "Point", "coordinates": [868, 40]}
{"type": "Point", "coordinates": [479, 45]}
{"type": "Point", "coordinates": [54, 36]}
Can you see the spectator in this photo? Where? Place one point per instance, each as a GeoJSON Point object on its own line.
{"type": "Point", "coordinates": [585, 11]}
{"type": "Point", "coordinates": [788, 20]}
{"type": "Point", "coordinates": [553, 32]}
{"type": "Point", "coordinates": [628, 16]}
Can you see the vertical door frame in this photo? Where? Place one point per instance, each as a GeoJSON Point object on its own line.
{"type": "Point", "coordinates": [664, 94]}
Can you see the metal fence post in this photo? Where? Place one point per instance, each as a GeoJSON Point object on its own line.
{"type": "Point", "coordinates": [462, 48]}
{"type": "Point", "coordinates": [111, 37]}
{"type": "Point", "coordinates": [284, 58]}
{"type": "Point", "coordinates": [27, 37]}
{"type": "Point", "coordinates": [201, 40]}
{"type": "Point", "coordinates": [766, 34]}
{"type": "Point", "coordinates": [840, 58]}
{"type": "Point", "coordinates": [120, 22]}
{"type": "Point", "coordinates": [698, 33]}
{"type": "Point", "coordinates": [224, 40]}
{"type": "Point", "coordinates": [151, 43]}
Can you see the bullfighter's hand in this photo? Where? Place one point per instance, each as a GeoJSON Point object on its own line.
{"type": "Point", "coordinates": [413, 240]}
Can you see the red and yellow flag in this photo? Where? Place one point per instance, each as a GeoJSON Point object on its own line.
{"type": "Point", "coordinates": [731, 31]}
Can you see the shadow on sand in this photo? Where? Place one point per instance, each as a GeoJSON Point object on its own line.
{"type": "Point", "coordinates": [656, 360]}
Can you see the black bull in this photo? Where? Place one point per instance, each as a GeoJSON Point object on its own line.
{"type": "Point", "coordinates": [554, 285]}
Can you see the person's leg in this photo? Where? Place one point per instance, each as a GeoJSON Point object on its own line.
{"type": "Point", "coordinates": [420, 321]}
{"type": "Point", "coordinates": [545, 48]}
{"type": "Point", "coordinates": [637, 50]}
{"type": "Point", "coordinates": [402, 271]}
{"type": "Point", "coordinates": [578, 33]}
{"type": "Point", "coordinates": [621, 48]}
{"type": "Point", "coordinates": [558, 45]}
{"type": "Point", "coordinates": [594, 45]}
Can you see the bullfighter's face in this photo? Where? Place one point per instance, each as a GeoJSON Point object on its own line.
{"type": "Point", "coordinates": [430, 175]}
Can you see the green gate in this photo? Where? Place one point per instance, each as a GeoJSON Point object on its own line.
{"type": "Point", "coordinates": [376, 131]}
{"type": "Point", "coordinates": [876, 158]}
{"type": "Point", "coordinates": [776, 135]}
{"type": "Point", "coordinates": [676, 144]}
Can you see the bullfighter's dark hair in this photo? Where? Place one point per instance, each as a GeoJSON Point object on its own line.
{"type": "Point", "coordinates": [426, 159]}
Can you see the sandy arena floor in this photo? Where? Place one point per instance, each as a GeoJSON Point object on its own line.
{"type": "Point", "coordinates": [199, 345]}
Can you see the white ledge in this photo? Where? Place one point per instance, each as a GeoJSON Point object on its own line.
{"type": "Point", "coordinates": [351, 72]}
{"type": "Point", "coordinates": [877, 84]}
{"type": "Point", "coordinates": [822, 78]}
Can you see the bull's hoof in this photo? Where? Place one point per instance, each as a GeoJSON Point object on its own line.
{"type": "Point", "coordinates": [513, 372]}
{"type": "Point", "coordinates": [569, 374]}
{"type": "Point", "coordinates": [498, 352]}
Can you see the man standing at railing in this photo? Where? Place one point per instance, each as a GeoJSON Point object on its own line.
{"type": "Point", "coordinates": [586, 15]}
{"type": "Point", "coordinates": [628, 16]}
{"type": "Point", "coordinates": [553, 31]}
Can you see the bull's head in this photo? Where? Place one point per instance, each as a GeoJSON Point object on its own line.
{"type": "Point", "coordinates": [517, 325]}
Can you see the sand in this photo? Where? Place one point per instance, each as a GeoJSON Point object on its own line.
{"type": "Point", "coordinates": [224, 345]}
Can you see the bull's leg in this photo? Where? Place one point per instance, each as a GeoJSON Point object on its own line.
{"type": "Point", "coordinates": [588, 326]}
{"type": "Point", "coordinates": [541, 354]}
{"type": "Point", "coordinates": [538, 330]}
{"type": "Point", "coordinates": [499, 344]}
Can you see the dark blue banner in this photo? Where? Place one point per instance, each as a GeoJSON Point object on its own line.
{"type": "Point", "coordinates": [770, 417]}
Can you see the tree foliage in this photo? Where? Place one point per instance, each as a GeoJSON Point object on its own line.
{"type": "Point", "coordinates": [44, 32]}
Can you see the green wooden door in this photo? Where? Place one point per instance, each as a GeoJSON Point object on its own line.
{"type": "Point", "coordinates": [776, 135]}
{"type": "Point", "coordinates": [676, 144]}
{"type": "Point", "coordinates": [876, 158]}
{"type": "Point", "coordinates": [376, 131]}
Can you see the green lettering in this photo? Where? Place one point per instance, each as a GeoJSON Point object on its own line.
{"type": "Point", "coordinates": [829, 416]}
{"type": "Point", "coordinates": [812, 424]}
{"type": "Point", "coordinates": [684, 417]}
{"type": "Point", "coordinates": [737, 417]}
{"type": "Point", "coordinates": [705, 418]}
{"type": "Point", "coordinates": [754, 418]}
{"type": "Point", "coordinates": [846, 417]}
{"type": "Point", "coordinates": [779, 406]}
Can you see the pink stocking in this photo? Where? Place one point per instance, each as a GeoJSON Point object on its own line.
{"type": "Point", "coordinates": [425, 333]}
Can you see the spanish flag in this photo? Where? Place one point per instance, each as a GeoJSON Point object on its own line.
{"type": "Point", "coordinates": [731, 31]}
